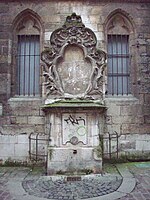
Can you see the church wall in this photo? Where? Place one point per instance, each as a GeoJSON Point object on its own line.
{"type": "Point", "coordinates": [128, 115]}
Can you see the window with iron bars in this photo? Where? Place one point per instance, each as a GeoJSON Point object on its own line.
{"type": "Point", "coordinates": [118, 64]}
{"type": "Point", "coordinates": [28, 69]}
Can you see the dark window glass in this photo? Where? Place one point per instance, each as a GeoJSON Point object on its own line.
{"type": "Point", "coordinates": [118, 64]}
{"type": "Point", "coordinates": [28, 70]}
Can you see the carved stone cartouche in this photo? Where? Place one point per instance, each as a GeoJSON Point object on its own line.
{"type": "Point", "coordinates": [73, 33]}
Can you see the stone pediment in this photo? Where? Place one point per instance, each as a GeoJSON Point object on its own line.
{"type": "Point", "coordinates": [73, 65]}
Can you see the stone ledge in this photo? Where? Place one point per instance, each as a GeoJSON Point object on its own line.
{"type": "Point", "coordinates": [120, 98]}
{"type": "Point", "coordinates": [24, 98]}
{"type": "Point", "coordinates": [74, 103]}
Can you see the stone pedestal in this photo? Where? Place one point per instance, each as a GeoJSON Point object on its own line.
{"type": "Point", "coordinates": [72, 159]}
{"type": "Point", "coordinates": [74, 134]}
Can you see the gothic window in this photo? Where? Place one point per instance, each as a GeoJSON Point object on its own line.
{"type": "Point", "coordinates": [28, 71]}
{"type": "Point", "coordinates": [27, 40]}
{"type": "Point", "coordinates": [118, 49]}
{"type": "Point", "coordinates": [118, 64]}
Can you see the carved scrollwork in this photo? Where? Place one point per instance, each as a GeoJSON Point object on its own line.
{"type": "Point", "coordinates": [96, 82]}
{"type": "Point", "coordinates": [73, 32]}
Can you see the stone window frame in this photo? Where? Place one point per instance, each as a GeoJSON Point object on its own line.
{"type": "Point", "coordinates": [130, 25]}
{"type": "Point", "coordinates": [27, 14]}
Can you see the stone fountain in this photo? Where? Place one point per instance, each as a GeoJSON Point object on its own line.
{"type": "Point", "coordinates": [74, 87]}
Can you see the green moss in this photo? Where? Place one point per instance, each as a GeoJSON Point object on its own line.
{"type": "Point", "coordinates": [100, 148]}
{"type": "Point", "coordinates": [128, 157]}
{"type": "Point", "coordinates": [110, 168]}
{"type": "Point", "coordinates": [13, 163]}
{"type": "Point", "coordinates": [74, 103]}
{"type": "Point", "coordinates": [85, 171]}
{"type": "Point", "coordinates": [51, 151]}
{"type": "Point", "coordinates": [37, 170]}
{"type": "Point", "coordinates": [114, 160]}
{"type": "Point", "coordinates": [138, 156]}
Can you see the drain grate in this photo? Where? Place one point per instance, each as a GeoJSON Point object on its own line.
{"type": "Point", "coordinates": [74, 178]}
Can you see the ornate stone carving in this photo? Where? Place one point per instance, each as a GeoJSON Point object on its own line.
{"type": "Point", "coordinates": [73, 32]}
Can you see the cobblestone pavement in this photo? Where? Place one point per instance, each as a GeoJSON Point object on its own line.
{"type": "Point", "coordinates": [88, 187]}
{"type": "Point", "coordinates": [141, 172]}
{"type": "Point", "coordinates": [24, 184]}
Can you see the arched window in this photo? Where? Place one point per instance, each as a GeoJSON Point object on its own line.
{"type": "Point", "coordinates": [27, 34]}
{"type": "Point", "coordinates": [118, 32]}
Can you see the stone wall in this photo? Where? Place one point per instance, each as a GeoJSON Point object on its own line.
{"type": "Point", "coordinates": [129, 116]}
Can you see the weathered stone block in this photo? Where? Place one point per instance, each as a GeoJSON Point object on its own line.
{"type": "Point", "coordinates": [12, 119]}
{"type": "Point", "coordinates": [7, 151]}
{"type": "Point", "coordinates": [96, 10]}
{"type": "Point", "coordinates": [99, 35]}
{"type": "Point", "coordinates": [4, 8]}
{"type": "Point", "coordinates": [128, 119]}
{"type": "Point", "coordinates": [143, 145]}
{"type": "Point", "coordinates": [4, 120]}
{"type": "Point", "coordinates": [147, 119]}
{"type": "Point", "coordinates": [5, 83]}
{"type": "Point", "coordinates": [21, 150]}
{"type": "Point", "coordinates": [14, 147]}
{"type": "Point", "coordinates": [147, 99]}
{"type": "Point", "coordinates": [39, 128]}
{"type": "Point", "coordinates": [21, 120]}
{"type": "Point", "coordinates": [4, 68]}
{"type": "Point", "coordinates": [114, 127]}
{"type": "Point", "coordinates": [4, 35]}
{"type": "Point", "coordinates": [113, 109]}
{"type": "Point", "coordinates": [70, 159]}
{"type": "Point", "coordinates": [133, 109]}
{"type": "Point", "coordinates": [129, 128]}
{"type": "Point", "coordinates": [94, 19]}
{"type": "Point", "coordinates": [25, 106]}
{"type": "Point", "coordinates": [8, 139]}
{"type": "Point", "coordinates": [126, 144]}
{"type": "Point", "coordinates": [36, 120]}
{"type": "Point", "coordinates": [146, 109]}
{"type": "Point", "coordinates": [94, 27]}
{"type": "Point", "coordinates": [144, 129]}
{"type": "Point", "coordinates": [16, 129]}
{"type": "Point", "coordinates": [52, 18]}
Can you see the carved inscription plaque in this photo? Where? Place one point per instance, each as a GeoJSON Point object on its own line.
{"type": "Point", "coordinates": [74, 127]}
{"type": "Point", "coordinates": [74, 71]}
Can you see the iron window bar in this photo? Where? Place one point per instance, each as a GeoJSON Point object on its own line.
{"type": "Point", "coordinates": [28, 64]}
{"type": "Point", "coordinates": [118, 64]}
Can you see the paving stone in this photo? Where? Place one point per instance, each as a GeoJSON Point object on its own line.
{"type": "Point", "coordinates": [19, 184]}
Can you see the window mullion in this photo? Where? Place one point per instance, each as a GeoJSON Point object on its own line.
{"type": "Point", "coordinates": [127, 52]}
{"type": "Point", "coordinates": [34, 67]}
{"type": "Point", "coordinates": [117, 59]}
{"type": "Point", "coordinates": [19, 64]}
{"type": "Point", "coordinates": [122, 65]}
{"type": "Point", "coordinates": [24, 81]}
{"type": "Point", "coordinates": [29, 72]}
{"type": "Point", "coordinates": [111, 42]}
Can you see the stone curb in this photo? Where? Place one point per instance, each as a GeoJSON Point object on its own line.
{"type": "Point", "coordinates": [127, 186]}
